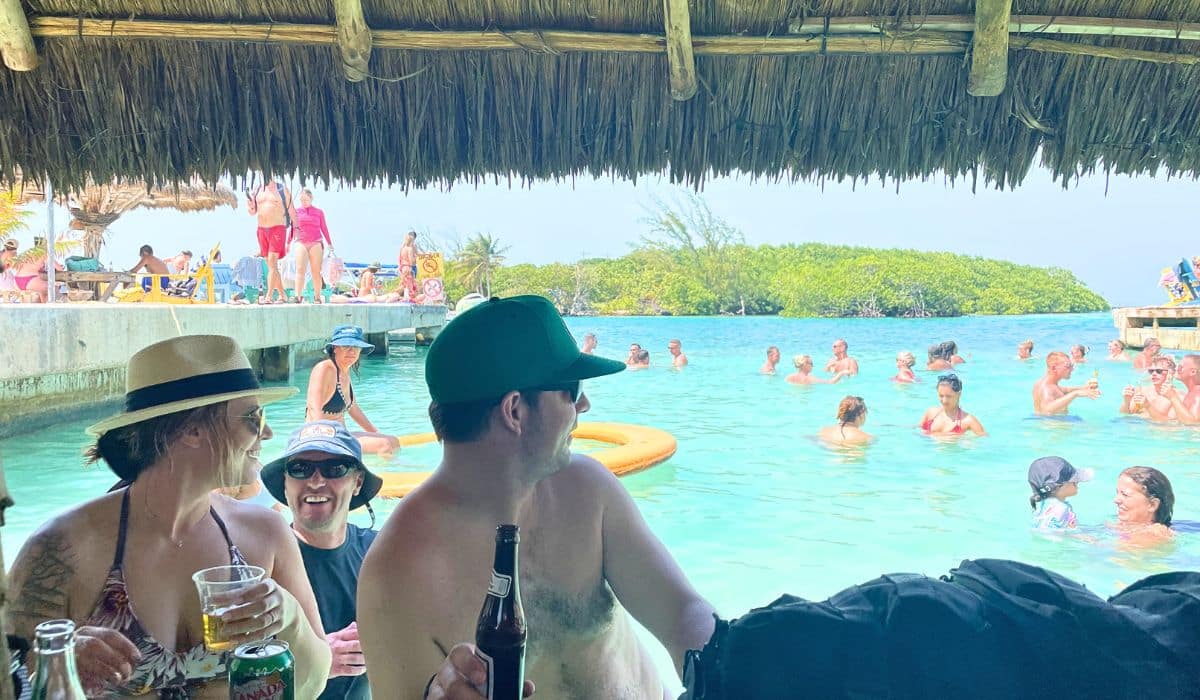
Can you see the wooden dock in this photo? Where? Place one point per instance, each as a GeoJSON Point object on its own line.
{"type": "Point", "coordinates": [1176, 327]}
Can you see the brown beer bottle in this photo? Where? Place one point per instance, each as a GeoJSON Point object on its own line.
{"type": "Point", "coordinates": [500, 632]}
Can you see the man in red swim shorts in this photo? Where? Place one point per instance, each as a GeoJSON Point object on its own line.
{"type": "Point", "coordinates": [272, 204]}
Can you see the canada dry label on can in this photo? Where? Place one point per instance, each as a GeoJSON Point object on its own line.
{"type": "Point", "coordinates": [262, 671]}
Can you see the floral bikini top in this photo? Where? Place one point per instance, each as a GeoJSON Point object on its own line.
{"type": "Point", "coordinates": [173, 675]}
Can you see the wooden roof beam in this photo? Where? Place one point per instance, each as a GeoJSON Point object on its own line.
{"type": "Point", "coordinates": [680, 58]}
{"type": "Point", "coordinates": [16, 41]}
{"type": "Point", "coordinates": [989, 48]}
{"type": "Point", "coordinates": [353, 38]}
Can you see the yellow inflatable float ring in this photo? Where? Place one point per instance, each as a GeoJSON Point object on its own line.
{"type": "Point", "coordinates": [634, 448]}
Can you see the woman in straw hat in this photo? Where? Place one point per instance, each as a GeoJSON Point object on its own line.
{"type": "Point", "coordinates": [121, 565]}
{"type": "Point", "coordinates": [331, 392]}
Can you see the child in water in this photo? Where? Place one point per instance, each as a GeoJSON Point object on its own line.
{"type": "Point", "coordinates": [1054, 480]}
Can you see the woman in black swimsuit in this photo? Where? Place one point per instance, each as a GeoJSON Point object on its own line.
{"type": "Point", "coordinates": [331, 394]}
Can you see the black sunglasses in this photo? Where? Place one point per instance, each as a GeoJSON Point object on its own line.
{"type": "Point", "coordinates": [1158, 370]}
{"type": "Point", "coordinates": [329, 468]}
{"type": "Point", "coordinates": [575, 389]}
{"type": "Point", "coordinates": [257, 420]}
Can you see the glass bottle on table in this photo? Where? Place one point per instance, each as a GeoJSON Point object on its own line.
{"type": "Point", "coordinates": [56, 677]}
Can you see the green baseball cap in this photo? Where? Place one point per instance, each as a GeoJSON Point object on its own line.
{"type": "Point", "coordinates": [505, 345]}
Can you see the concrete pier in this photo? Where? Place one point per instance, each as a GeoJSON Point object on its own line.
{"type": "Point", "coordinates": [63, 361]}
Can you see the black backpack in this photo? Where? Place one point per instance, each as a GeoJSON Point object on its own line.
{"type": "Point", "coordinates": [993, 629]}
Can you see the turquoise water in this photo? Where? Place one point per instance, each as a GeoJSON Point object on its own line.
{"type": "Point", "coordinates": [751, 505]}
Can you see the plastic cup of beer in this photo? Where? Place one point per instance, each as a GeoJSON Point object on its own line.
{"type": "Point", "coordinates": [215, 586]}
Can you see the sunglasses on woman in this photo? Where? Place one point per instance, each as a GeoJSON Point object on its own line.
{"type": "Point", "coordinates": [1158, 370]}
{"type": "Point", "coordinates": [329, 468]}
{"type": "Point", "coordinates": [257, 420]}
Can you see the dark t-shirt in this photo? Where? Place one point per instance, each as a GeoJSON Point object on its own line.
{"type": "Point", "coordinates": [333, 574]}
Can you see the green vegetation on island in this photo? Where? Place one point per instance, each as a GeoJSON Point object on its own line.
{"type": "Point", "coordinates": [693, 263]}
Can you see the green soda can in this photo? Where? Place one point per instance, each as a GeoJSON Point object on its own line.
{"type": "Point", "coordinates": [262, 671]}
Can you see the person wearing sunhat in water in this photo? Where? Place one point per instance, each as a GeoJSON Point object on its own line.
{"type": "Point", "coordinates": [331, 390]}
{"type": "Point", "coordinates": [121, 565]}
{"type": "Point", "coordinates": [321, 478]}
{"type": "Point", "coordinates": [505, 383]}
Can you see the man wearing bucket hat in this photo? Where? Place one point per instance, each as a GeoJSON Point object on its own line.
{"type": "Point", "coordinates": [1054, 480]}
{"type": "Point", "coordinates": [321, 478]}
{"type": "Point", "coordinates": [121, 565]}
{"type": "Point", "coordinates": [331, 391]}
{"type": "Point", "coordinates": [505, 382]}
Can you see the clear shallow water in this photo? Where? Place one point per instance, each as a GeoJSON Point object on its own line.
{"type": "Point", "coordinates": [751, 505]}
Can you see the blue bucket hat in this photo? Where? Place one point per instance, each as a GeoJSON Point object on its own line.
{"type": "Point", "coordinates": [330, 437]}
{"type": "Point", "coordinates": [349, 337]}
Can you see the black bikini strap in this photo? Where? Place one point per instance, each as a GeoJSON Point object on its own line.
{"type": "Point", "coordinates": [120, 555]}
{"type": "Point", "coordinates": [221, 524]}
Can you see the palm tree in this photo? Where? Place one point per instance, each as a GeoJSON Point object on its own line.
{"type": "Point", "coordinates": [12, 215]}
{"type": "Point", "coordinates": [477, 259]}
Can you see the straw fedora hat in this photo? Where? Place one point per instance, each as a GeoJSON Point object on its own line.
{"type": "Point", "coordinates": [185, 373]}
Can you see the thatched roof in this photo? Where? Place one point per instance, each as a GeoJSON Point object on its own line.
{"type": "Point", "coordinates": [560, 101]}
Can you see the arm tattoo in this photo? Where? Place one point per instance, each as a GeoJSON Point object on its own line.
{"type": "Point", "coordinates": [41, 582]}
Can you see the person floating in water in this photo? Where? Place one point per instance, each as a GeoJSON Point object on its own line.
{"type": "Point", "coordinates": [1116, 351]}
{"type": "Point", "coordinates": [1054, 480]}
{"type": "Point", "coordinates": [1050, 399]}
{"type": "Point", "coordinates": [1150, 348]}
{"type": "Point", "coordinates": [589, 344]}
{"type": "Point", "coordinates": [1025, 350]}
{"type": "Point", "coordinates": [904, 367]}
{"type": "Point", "coordinates": [1153, 403]}
{"type": "Point", "coordinates": [634, 350]}
{"type": "Point", "coordinates": [678, 359]}
{"type": "Point", "coordinates": [851, 415]}
{"type": "Point", "coordinates": [773, 357]}
{"type": "Point", "coordinates": [1145, 503]}
{"type": "Point", "coordinates": [1079, 353]}
{"type": "Point", "coordinates": [841, 361]}
{"type": "Point", "coordinates": [948, 418]}
{"type": "Point", "coordinates": [803, 373]}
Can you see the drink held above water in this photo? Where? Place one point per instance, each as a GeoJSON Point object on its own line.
{"type": "Point", "coordinates": [500, 633]}
{"type": "Point", "coordinates": [262, 671]}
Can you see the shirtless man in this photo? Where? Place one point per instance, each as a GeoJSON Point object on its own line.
{"type": "Point", "coordinates": [1050, 399]}
{"type": "Point", "coordinates": [153, 266]}
{"type": "Point", "coordinates": [589, 344]}
{"type": "Point", "coordinates": [1186, 407]}
{"type": "Point", "coordinates": [505, 382]}
{"type": "Point", "coordinates": [408, 253]}
{"type": "Point", "coordinates": [1153, 403]}
{"type": "Point", "coordinates": [772, 360]}
{"type": "Point", "coordinates": [634, 350]}
{"type": "Point", "coordinates": [275, 214]}
{"type": "Point", "coordinates": [841, 363]}
{"type": "Point", "coordinates": [1149, 350]}
{"type": "Point", "coordinates": [678, 359]}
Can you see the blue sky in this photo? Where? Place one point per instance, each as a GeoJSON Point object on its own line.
{"type": "Point", "coordinates": [1117, 242]}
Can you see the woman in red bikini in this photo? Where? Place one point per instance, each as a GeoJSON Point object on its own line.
{"type": "Point", "coordinates": [121, 565]}
{"type": "Point", "coordinates": [949, 418]}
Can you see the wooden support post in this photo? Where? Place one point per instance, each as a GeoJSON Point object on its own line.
{"type": "Point", "coordinates": [680, 59]}
{"type": "Point", "coordinates": [16, 41]}
{"type": "Point", "coordinates": [353, 38]}
{"type": "Point", "coordinates": [989, 48]}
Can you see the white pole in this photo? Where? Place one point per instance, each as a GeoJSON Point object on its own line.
{"type": "Point", "coordinates": [52, 291]}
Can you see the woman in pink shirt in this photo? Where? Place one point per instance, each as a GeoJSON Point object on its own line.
{"type": "Point", "coordinates": [308, 229]}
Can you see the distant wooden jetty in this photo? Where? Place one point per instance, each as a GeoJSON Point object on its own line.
{"type": "Point", "coordinates": [1176, 327]}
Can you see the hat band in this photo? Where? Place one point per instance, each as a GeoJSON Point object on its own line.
{"type": "Point", "coordinates": [190, 388]}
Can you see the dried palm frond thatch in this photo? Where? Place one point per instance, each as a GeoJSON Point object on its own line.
{"type": "Point", "coordinates": [168, 110]}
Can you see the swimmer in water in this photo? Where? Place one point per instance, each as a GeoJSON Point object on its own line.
{"type": "Point", "coordinates": [1025, 350]}
{"type": "Point", "coordinates": [904, 367]}
{"type": "Point", "coordinates": [1116, 351]}
{"type": "Point", "coordinates": [949, 418]}
{"type": "Point", "coordinates": [1079, 353]}
{"type": "Point", "coordinates": [851, 414]}
{"type": "Point", "coordinates": [1050, 399]}
{"type": "Point", "coordinates": [1054, 480]}
{"type": "Point", "coordinates": [803, 373]}
{"type": "Point", "coordinates": [1144, 501]}
{"type": "Point", "coordinates": [1153, 403]}
{"type": "Point", "coordinates": [772, 360]}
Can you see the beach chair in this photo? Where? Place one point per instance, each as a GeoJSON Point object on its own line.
{"type": "Point", "coordinates": [182, 288]}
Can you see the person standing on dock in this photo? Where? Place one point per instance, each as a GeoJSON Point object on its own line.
{"type": "Point", "coordinates": [1050, 399]}
{"type": "Point", "coordinates": [271, 202]}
